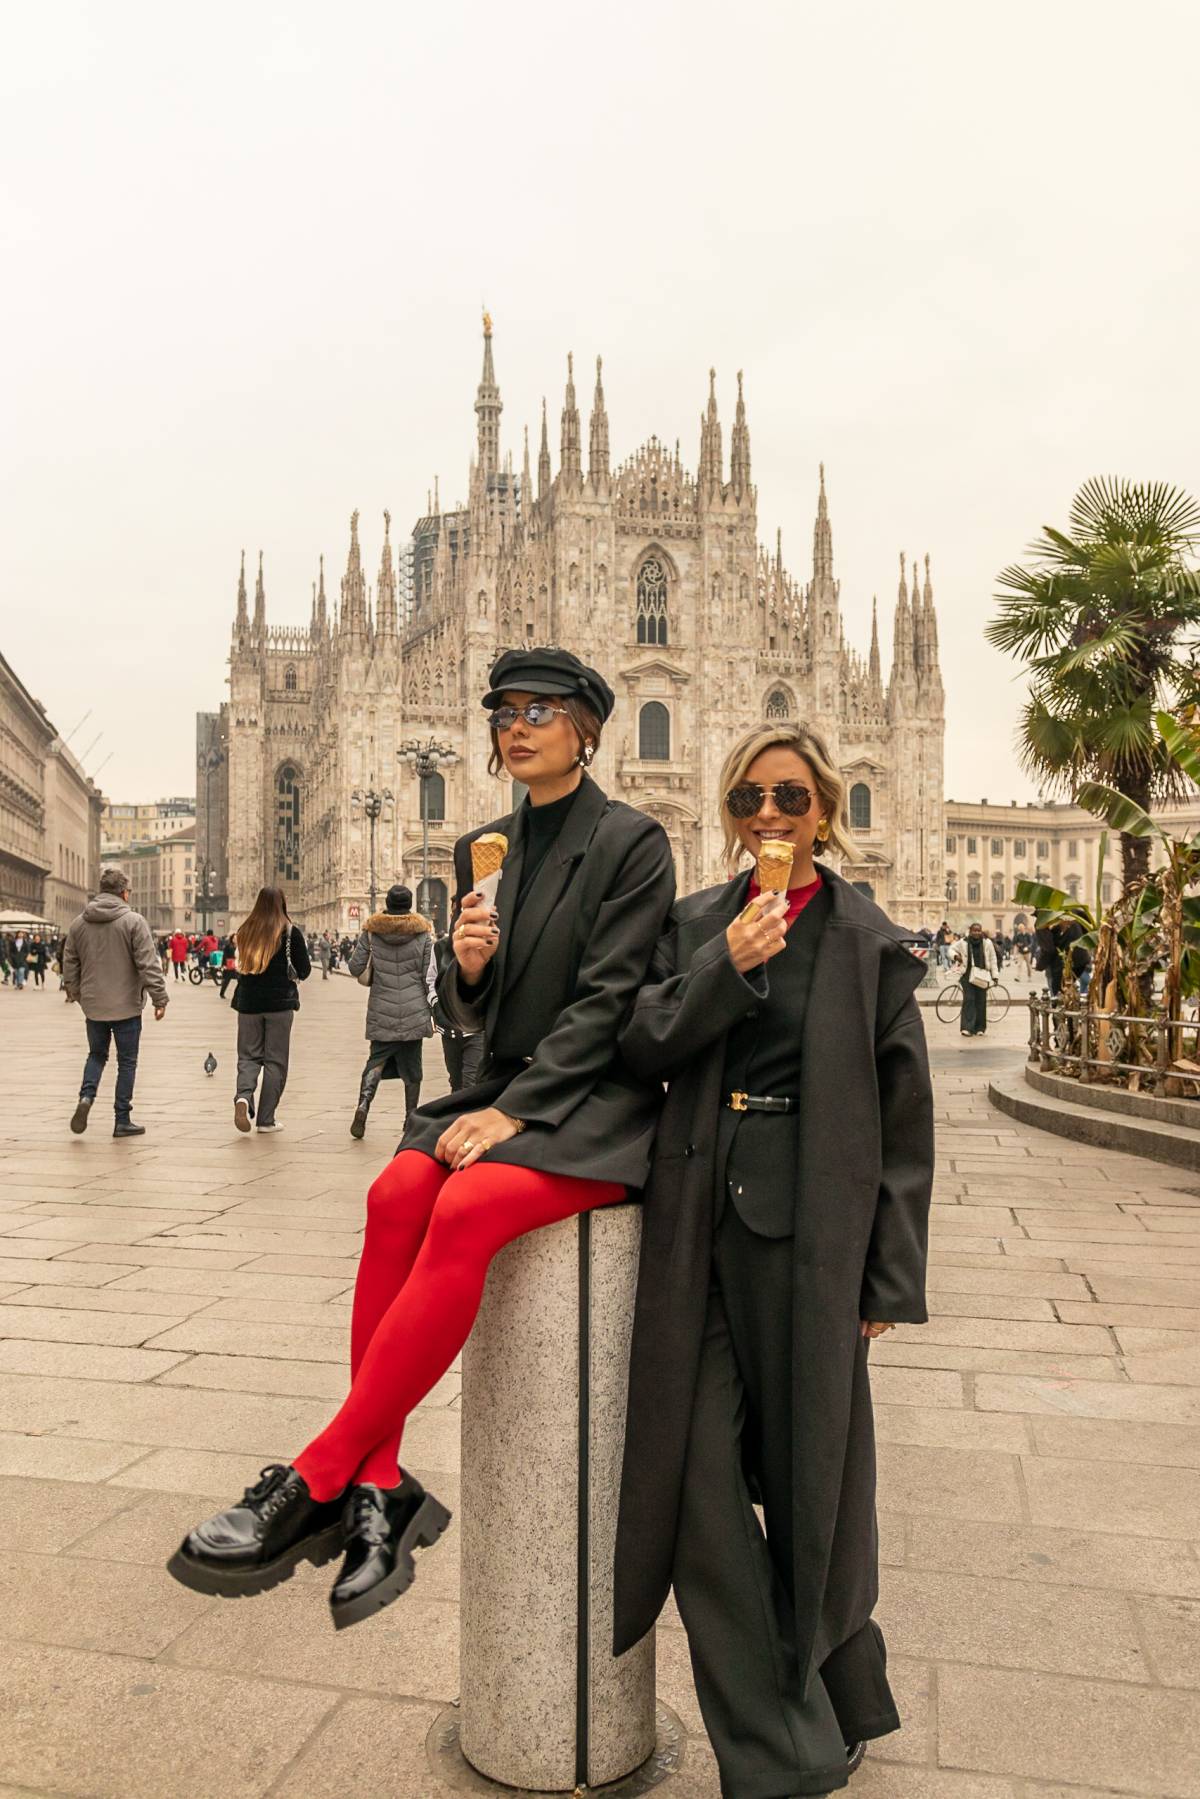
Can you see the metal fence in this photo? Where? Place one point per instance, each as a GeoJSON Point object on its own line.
{"type": "Point", "coordinates": [1141, 1052]}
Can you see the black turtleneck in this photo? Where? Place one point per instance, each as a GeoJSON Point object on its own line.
{"type": "Point", "coordinates": [542, 826]}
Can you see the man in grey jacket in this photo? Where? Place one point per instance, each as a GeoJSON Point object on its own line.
{"type": "Point", "coordinates": [109, 965]}
{"type": "Point", "coordinates": [397, 946]}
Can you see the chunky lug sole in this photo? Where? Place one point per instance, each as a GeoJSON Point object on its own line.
{"type": "Point", "coordinates": [241, 1114]}
{"type": "Point", "coordinates": [855, 1755]}
{"type": "Point", "coordinates": [424, 1531]}
{"type": "Point", "coordinates": [359, 1123]}
{"type": "Point", "coordinates": [241, 1583]}
{"type": "Point", "coordinates": [80, 1116]}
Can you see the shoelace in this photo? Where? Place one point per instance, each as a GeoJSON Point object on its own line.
{"type": "Point", "coordinates": [268, 1492]}
{"type": "Point", "coordinates": [365, 1515]}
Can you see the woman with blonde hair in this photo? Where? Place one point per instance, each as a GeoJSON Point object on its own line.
{"type": "Point", "coordinates": [784, 1229]}
{"type": "Point", "coordinates": [272, 958]}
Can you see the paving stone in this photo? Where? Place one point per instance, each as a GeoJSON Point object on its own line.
{"type": "Point", "coordinates": [369, 1746]}
{"type": "Point", "coordinates": [343, 1268]}
{"type": "Point", "coordinates": [914, 1386]}
{"type": "Point", "coordinates": [105, 1299]}
{"type": "Point", "coordinates": [18, 1248]}
{"type": "Point", "coordinates": [80, 1604]}
{"type": "Point", "coordinates": [283, 1288]}
{"type": "Point", "coordinates": [1011, 1623]}
{"type": "Point", "coordinates": [951, 1483]}
{"type": "Point", "coordinates": [1114, 1440]}
{"type": "Point", "coordinates": [83, 1361]}
{"type": "Point", "coordinates": [43, 1516]}
{"type": "Point", "coordinates": [63, 1458]}
{"type": "Point", "coordinates": [269, 1242]}
{"type": "Point", "coordinates": [217, 1336]}
{"type": "Point", "coordinates": [993, 1305]}
{"type": "Point", "coordinates": [1005, 1280]}
{"type": "Point", "coordinates": [92, 1227]}
{"type": "Point", "coordinates": [261, 1374]}
{"type": "Point", "coordinates": [273, 1428]}
{"type": "Point", "coordinates": [1090, 1495]}
{"type": "Point", "coordinates": [1086, 1399]}
{"type": "Point", "coordinates": [147, 1731]}
{"type": "Point", "coordinates": [1140, 1740]}
{"type": "Point", "coordinates": [951, 1429]}
{"type": "Point", "coordinates": [409, 1649]}
{"type": "Point", "coordinates": [943, 1257]}
{"type": "Point", "coordinates": [61, 1325]}
{"type": "Point", "coordinates": [151, 1255]}
{"type": "Point", "coordinates": [1106, 1311]}
{"type": "Point", "coordinates": [1060, 1557]}
{"type": "Point", "coordinates": [1171, 1632]}
{"type": "Point", "coordinates": [877, 1779]}
{"type": "Point", "coordinates": [896, 1352]}
{"type": "Point", "coordinates": [999, 1333]}
{"type": "Point", "coordinates": [280, 1311]}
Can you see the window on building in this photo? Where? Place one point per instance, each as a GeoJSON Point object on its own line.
{"type": "Point", "coordinates": [652, 602]}
{"type": "Point", "coordinates": [1043, 848]}
{"type": "Point", "coordinates": [860, 806]}
{"type": "Point", "coordinates": [952, 887]}
{"type": "Point", "coordinates": [287, 823]}
{"type": "Point", "coordinates": [1106, 889]}
{"type": "Point", "coordinates": [973, 890]}
{"type": "Point", "coordinates": [1073, 886]}
{"type": "Point", "coordinates": [1073, 849]}
{"type": "Point", "coordinates": [972, 846]}
{"type": "Point", "coordinates": [289, 679]}
{"type": "Point", "coordinates": [997, 846]}
{"type": "Point", "coordinates": [654, 732]}
{"type": "Point", "coordinates": [1019, 848]}
{"type": "Point", "coordinates": [951, 844]}
{"type": "Point", "coordinates": [777, 704]}
{"type": "Point", "coordinates": [431, 903]}
{"type": "Point", "coordinates": [997, 890]}
{"type": "Point", "coordinates": [433, 800]}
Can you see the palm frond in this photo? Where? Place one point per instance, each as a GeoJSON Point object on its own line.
{"type": "Point", "coordinates": [1116, 810]}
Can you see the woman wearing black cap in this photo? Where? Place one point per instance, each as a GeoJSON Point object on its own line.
{"type": "Point", "coordinates": [557, 1125]}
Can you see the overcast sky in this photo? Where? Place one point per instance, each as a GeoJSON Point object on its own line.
{"type": "Point", "coordinates": [245, 247]}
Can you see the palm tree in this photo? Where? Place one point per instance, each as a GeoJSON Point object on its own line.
{"type": "Point", "coordinates": [1108, 622]}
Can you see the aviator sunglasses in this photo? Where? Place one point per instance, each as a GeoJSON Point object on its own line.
{"type": "Point", "coordinates": [538, 712]}
{"type": "Point", "coordinates": [792, 798]}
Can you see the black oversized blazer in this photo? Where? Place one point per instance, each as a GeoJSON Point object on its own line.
{"type": "Point", "coordinates": [563, 981]}
{"type": "Point", "coordinates": [862, 1190]}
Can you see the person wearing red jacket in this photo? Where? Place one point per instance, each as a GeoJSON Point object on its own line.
{"type": "Point", "coordinates": [179, 955]}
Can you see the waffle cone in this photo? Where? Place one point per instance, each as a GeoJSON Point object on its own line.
{"type": "Point", "coordinates": [774, 866]}
{"type": "Point", "coordinates": [487, 855]}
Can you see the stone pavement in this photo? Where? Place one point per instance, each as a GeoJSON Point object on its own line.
{"type": "Point", "coordinates": [173, 1315]}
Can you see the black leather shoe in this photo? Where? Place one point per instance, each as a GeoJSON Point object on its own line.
{"type": "Point", "coordinates": [129, 1129]}
{"type": "Point", "coordinates": [79, 1117]}
{"type": "Point", "coordinates": [383, 1527]}
{"type": "Point", "coordinates": [854, 1756]}
{"type": "Point", "coordinates": [255, 1545]}
{"type": "Point", "coordinates": [358, 1124]}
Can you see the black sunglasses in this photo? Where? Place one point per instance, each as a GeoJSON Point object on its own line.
{"type": "Point", "coordinates": [792, 798]}
{"type": "Point", "coordinates": [538, 712]}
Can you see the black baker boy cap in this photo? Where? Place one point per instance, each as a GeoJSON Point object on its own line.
{"type": "Point", "coordinates": [551, 671]}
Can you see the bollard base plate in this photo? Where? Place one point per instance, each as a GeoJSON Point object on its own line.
{"type": "Point", "coordinates": [454, 1770]}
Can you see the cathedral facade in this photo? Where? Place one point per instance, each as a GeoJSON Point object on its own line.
{"type": "Point", "coordinates": [652, 572]}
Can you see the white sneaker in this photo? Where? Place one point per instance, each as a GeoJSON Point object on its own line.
{"type": "Point", "coordinates": [241, 1114]}
{"type": "Point", "coordinates": [269, 1127]}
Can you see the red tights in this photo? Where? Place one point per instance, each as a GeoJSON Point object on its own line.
{"type": "Point", "coordinates": [429, 1241]}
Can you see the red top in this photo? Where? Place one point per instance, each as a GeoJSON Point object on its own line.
{"type": "Point", "coordinates": [798, 897]}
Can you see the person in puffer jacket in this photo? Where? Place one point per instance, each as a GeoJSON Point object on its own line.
{"type": "Point", "coordinates": [398, 946]}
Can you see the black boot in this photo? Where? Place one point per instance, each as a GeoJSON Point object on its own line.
{"type": "Point", "coordinates": [366, 1093]}
{"type": "Point", "coordinates": [79, 1117]}
{"type": "Point", "coordinates": [255, 1545]}
{"type": "Point", "coordinates": [383, 1527]}
{"type": "Point", "coordinates": [412, 1098]}
{"type": "Point", "coordinates": [125, 1127]}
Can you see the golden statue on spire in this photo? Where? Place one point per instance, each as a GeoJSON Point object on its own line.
{"type": "Point", "coordinates": [487, 322]}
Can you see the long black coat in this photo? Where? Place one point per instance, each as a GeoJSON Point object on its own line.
{"type": "Point", "coordinates": [554, 997]}
{"type": "Point", "coordinates": [862, 1203]}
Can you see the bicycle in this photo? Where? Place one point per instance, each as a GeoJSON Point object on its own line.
{"type": "Point", "coordinates": [948, 1005]}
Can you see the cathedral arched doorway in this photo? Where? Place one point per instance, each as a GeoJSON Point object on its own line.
{"type": "Point", "coordinates": [433, 903]}
{"type": "Point", "coordinates": [288, 786]}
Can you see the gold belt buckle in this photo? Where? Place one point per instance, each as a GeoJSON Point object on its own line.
{"type": "Point", "coordinates": [737, 1102]}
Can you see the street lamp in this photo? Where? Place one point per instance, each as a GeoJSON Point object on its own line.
{"type": "Point", "coordinates": [425, 760]}
{"type": "Point", "coordinates": [207, 763]}
{"type": "Point", "coordinates": [372, 804]}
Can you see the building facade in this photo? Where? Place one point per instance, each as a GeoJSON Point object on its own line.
{"type": "Point", "coordinates": [162, 882]}
{"type": "Point", "coordinates": [652, 571]}
{"type": "Point", "coordinates": [50, 813]}
{"type": "Point", "coordinates": [74, 808]}
{"type": "Point", "coordinates": [151, 822]}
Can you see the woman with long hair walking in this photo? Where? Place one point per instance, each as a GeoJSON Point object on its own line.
{"type": "Point", "coordinates": [557, 1126]}
{"type": "Point", "coordinates": [272, 958]}
{"type": "Point", "coordinates": [785, 1229]}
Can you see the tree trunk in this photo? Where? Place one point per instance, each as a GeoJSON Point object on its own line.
{"type": "Point", "coordinates": [1135, 851]}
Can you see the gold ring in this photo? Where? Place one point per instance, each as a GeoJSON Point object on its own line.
{"type": "Point", "coordinates": [466, 1147]}
{"type": "Point", "coordinates": [484, 1146]}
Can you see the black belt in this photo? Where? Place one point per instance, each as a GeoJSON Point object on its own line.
{"type": "Point", "coordinates": [760, 1102]}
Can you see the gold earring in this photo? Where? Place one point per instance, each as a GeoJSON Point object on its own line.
{"type": "Point", "coordinates": [823, 829]}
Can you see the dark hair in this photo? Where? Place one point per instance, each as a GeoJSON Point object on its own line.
{"type": "Point", "coordinates": [587, 725]}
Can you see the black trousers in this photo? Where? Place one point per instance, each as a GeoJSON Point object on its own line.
{"type": "Point", "coordinates": [401, 1060]}
{"type": "Point", "coordinates": [974, 1009]}
{"type": "Point", "coordinates": [463, 1056]}
{"type": "Point", "coordinates": [733, 1581]}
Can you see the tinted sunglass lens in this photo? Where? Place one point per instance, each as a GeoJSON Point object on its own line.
{"type": "Point", "coordinates": [503, 718]}
{"type": "Point", "coordinates": [792, 798]}
{"type": "Point", "coordinates": [744, 802]}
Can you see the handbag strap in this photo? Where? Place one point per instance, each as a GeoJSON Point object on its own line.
{"type": "Point", "coordinates": [287, 950]}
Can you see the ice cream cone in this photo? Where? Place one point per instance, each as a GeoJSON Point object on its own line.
{"type": "Point", "coordinates": [487, 860]}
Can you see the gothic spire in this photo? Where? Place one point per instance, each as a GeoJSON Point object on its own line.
{"type": "Point", "coordinates": [598, 434]}
{"type": "Point", "coordinates": [902, 632]}
{"type": "Point", "coordinates": [544, 457]}
{"type": "Point", "coordinates": [260, 602]}
{"type": "Point", "coordinates": [321, 608]}
{"type": "Point", "coordinates": [874, 662]}
{"type": "Point", "coordinates": [243, 615]}
{"type": "Point", "coordinates": [822, 538]}
{"type": "Point", "coordinates": [931, 629]}
{"type": "Point", "coordinates": [526, 480]}
{"type": "Point", "coordinates": [385, 588]}
{"type": "Point", "coordinates": [711, 473]}
{"type": "Point", "coordinates": [488, 408]}
{"type": "Point", "coordinates": [739, 449]}
{"type": "Point", "coordinates": [352, 619]}
{"type": "Point", "coordinates": [572, 466]}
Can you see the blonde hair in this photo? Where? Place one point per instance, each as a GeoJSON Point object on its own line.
{"type": "Point", "coordinates": [831, 789]}
{"type": "Point", "coordinates": [259, 935]}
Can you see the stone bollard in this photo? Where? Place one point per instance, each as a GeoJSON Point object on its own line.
{"type": "Point", "coordinates": [544, 1704]}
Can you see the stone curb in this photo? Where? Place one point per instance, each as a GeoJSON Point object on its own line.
{"type": "Point", "coordinates": [1017, 1096]}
